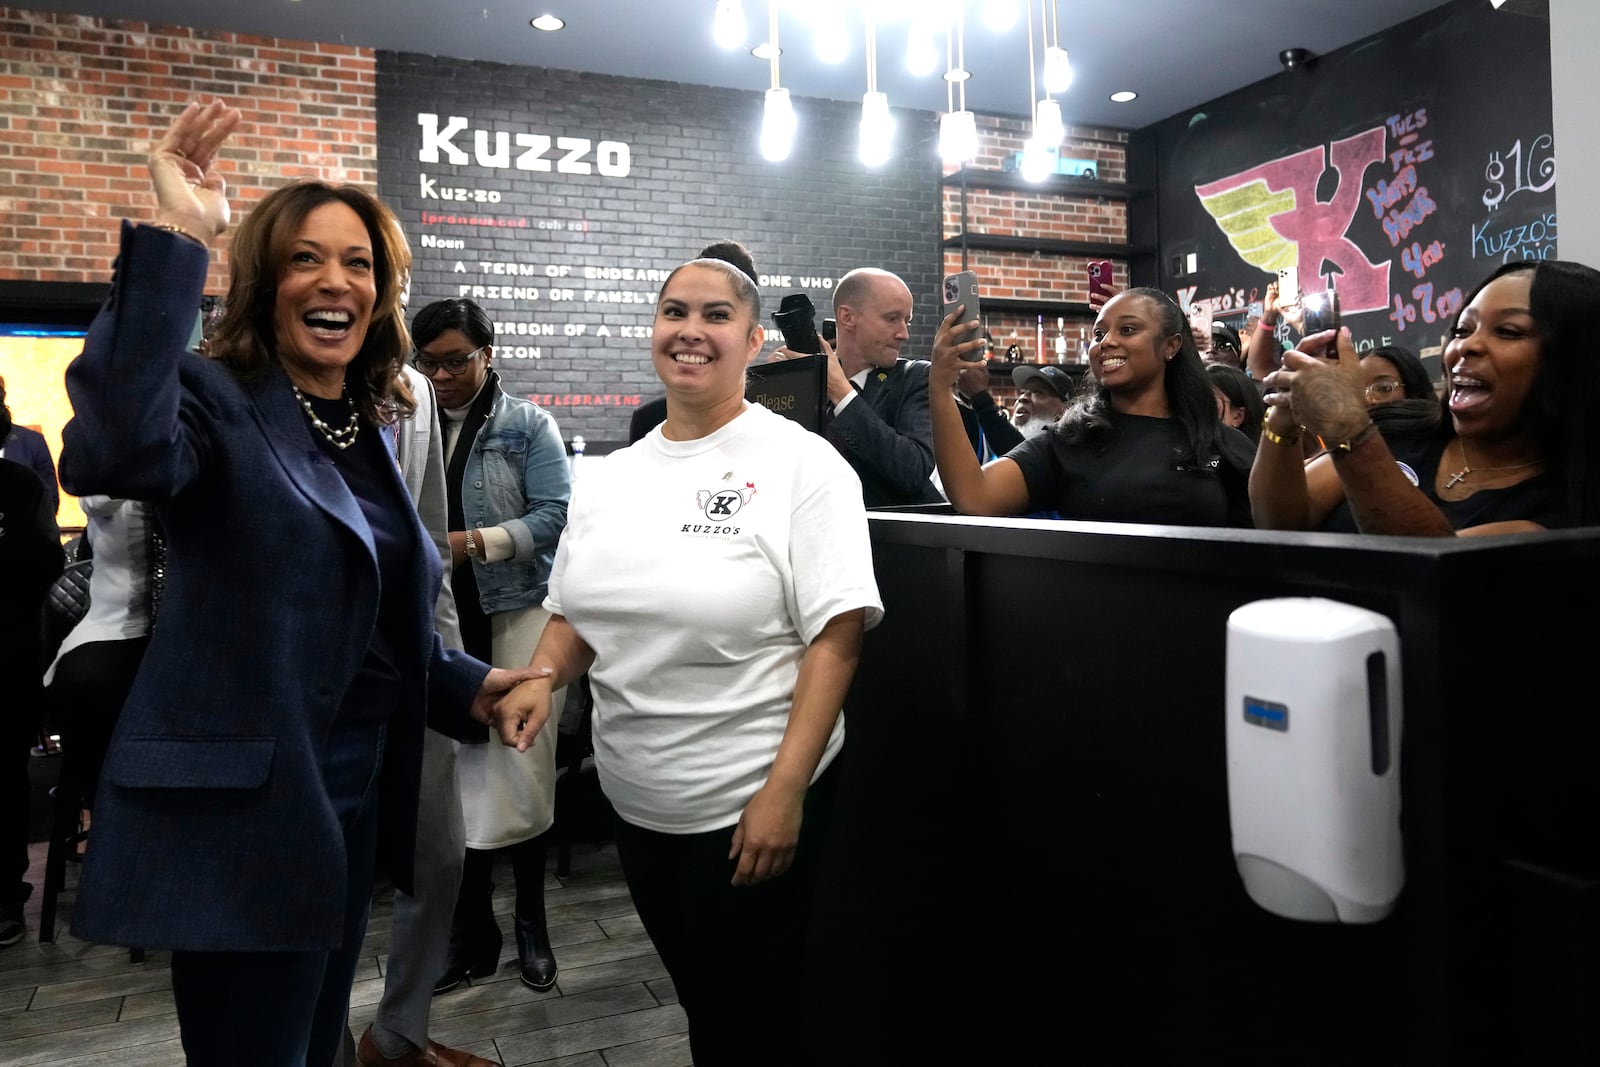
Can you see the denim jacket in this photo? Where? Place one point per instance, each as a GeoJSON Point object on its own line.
{"type": "Point", "coordinates": [517, 478]}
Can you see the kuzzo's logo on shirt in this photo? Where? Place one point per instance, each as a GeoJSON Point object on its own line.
{"type": "Point", "coordinates": [718, 506]}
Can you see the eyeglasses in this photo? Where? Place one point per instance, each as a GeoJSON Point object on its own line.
{"type": "Point", "coordinates": [454, 365]}
{"type": "Point", "coordinates": [1383, 389]}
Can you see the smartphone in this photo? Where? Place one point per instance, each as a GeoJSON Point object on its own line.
{"type": "Point", "coordinates": [1321, 311]}
{"type": "Point", "coordinates": [961, 288]}
{"type": "Point", "coordinates": [1288, 286]}
{"type": "Point", "coordinates": [830, 330]}
{"type": "Point", "coordinates": [1200, 319]}
{"type": "Point", "coordinates": [1100, 278]}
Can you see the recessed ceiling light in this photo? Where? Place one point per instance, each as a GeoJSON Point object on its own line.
{"type": "Point", "coordinates": [764, 50]}
{"type": "Point", "coordinates": [958, 75]}
{"type": "Point", "coordinates": [547, 23]}
{"type": "Point", "coordinates": [1122, 96]}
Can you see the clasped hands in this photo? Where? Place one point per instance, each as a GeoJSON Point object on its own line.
{"type": "Point", "coordinates": [1323, 396]}
{"type": "Point", "coordinates": [515, 703]}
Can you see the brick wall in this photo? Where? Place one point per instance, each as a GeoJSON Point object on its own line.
{"type": "Point", "coordinates": [81, 99]}
{"type": "Point", "coordinates": [1037, 276]}
{"type": "Point", "coordinates": [542, 250]}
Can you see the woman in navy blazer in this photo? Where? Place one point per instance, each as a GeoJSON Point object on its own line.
{"type": "Point", "coordinates": [286, 687]}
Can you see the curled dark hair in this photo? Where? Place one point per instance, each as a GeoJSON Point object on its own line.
{"type": "Point", "coordinates": [245, 339]}
{"type": "Point", "coordinates": [1564, 302]}
{"type": "Point", "coordinates": [456, 313]}
{"type": "Point", "coordinates": [1087, 419]}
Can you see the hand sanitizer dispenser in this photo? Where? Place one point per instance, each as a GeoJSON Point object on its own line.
{"type": "Point", "coordinates": [1313, 739]}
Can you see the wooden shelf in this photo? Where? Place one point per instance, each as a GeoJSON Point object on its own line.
{"type": "Point", "coordinates": [1005, 242]}
{"type": "Point", "coordinates": [1053, 185]}
{"type": "Point", "coordinates": [1000, 366]}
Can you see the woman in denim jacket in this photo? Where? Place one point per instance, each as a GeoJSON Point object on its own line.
{"type": "Point", "coordinates": [508, 480]}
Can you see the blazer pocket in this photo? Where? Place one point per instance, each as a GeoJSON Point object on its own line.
{"type": "Point", "coordinates": [193, 762]}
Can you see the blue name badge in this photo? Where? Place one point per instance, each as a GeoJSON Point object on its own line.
{"type": "Point", "coordinates": [1267, 713]}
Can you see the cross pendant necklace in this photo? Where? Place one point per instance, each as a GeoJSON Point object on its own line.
{"type": "Point", "coordinates": [1466, 467]}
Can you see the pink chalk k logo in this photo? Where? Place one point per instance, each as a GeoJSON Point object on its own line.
{"type": "Point", "coordinates": [1273, 218]}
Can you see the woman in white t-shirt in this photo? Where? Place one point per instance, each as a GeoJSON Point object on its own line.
{"type": "Point", "coordinates": [715, 580]}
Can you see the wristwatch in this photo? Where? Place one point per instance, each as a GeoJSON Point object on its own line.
{"type": "Point", "coordinates": [472, 545]}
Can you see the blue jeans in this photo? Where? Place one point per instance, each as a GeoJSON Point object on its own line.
{"type": "Point", "coordinates": [288, 1009]}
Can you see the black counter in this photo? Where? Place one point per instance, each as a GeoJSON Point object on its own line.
{"type": "Point", "coordinates": [1034, 861]}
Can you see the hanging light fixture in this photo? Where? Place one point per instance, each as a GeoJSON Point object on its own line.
{"type": "Point", "coordinates": [1057, 67]}
{"type": "Point", "coordinates": [832, 36]}
{"type": "Point", "coordinates": [1036, 154]}
{"type": "Point", "coordinates": [1000, 15]}
{"type": "Point", "coordinates": [777, 116]}
{"type": "Point", "coordinates": [921, 57]}
{"type": "Point", "coordinates": [877, 125]}
{"type": "Point", "coordinates": [728, 28]}
{"type": "Point", "coordinates": [958, 127]}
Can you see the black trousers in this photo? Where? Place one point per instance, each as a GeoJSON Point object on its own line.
{"type": "Point", "coordinates": [737, 956]}
{"type": "Point", "coordinates": [85, 698]}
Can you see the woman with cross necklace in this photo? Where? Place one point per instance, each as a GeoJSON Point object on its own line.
{"type": "Point", "coordinates": [1511, 453]}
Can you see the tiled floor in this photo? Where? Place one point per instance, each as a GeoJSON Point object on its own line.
{"type": "Point", "coordinates": [72, 1004]}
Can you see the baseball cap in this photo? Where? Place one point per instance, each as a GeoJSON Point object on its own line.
{"type": "Point", "coordinates": [1058, 380]}
{"type": "Point", "coordinates": [1222, 333]}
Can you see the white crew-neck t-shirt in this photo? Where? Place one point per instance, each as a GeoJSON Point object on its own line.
{"type": "Point", "coordinates": [699, 571]}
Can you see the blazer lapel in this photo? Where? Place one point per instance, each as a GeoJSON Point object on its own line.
{"type": "Point", "coordinates": [283, 424]}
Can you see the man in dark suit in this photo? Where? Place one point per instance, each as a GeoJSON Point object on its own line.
{"type": "Point", "coordinates": [880, 420]}
{"type": "Point", "coordinates": [27, 447]}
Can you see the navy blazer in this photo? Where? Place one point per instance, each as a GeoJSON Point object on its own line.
{"type": "Point", "coordinates": [887, 435]}
{"type": "Point", "coordinates": [29, 448]}
{"type": "Point", "coordinates": [212, 827]}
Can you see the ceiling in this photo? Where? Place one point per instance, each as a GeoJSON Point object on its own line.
{"type": "Point", "coordinates": [1175, 53]}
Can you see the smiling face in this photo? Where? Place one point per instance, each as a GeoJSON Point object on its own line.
{"type": "Point", "coordinates": [325, 295]}
{"type": "Point", "coordinates": [1492, 359]}
{"type": "Point", "coordinates": [704, 337]}
{"type": "Point", "coordinates": [1130, 349]}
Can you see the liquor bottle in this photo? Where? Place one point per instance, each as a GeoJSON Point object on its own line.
{"type": "Point", "coordinates": [1083, 343]}
{"type": "Point", "coordinates": [1039, 348]}
{"type": "Point", "coordinates": [1061, 340]}
{"type": "Point", "coordinates": [988, 340]}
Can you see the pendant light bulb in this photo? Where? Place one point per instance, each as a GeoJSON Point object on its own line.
{"type": "Point", "coordinates": [1036, 159]}
{"type": "Point", "coordinates": [922, 58]}
{"type": "Point", "coordinates": [1057, 70]}
{"type": "Point", "coordinates": [999, 15]}
{"type": "Point", "coordinates": [777, 126]}
{"type": "Point", "coordinates": [728, 28]}
{"type": "Point", "coordinates": [958, 136]}
{"type": "Point", "coordinates": [1047, 124]}
{"type": "Point", "coordinates": [877, 129]}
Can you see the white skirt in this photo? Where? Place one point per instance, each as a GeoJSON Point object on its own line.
{"type": "Point", "coordinates": [508, 796]}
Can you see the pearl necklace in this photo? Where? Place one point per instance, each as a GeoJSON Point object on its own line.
{"type": "Point", "coordinates": [340, 439]}
{"type": "Point", "coordinates": [1467, 468]}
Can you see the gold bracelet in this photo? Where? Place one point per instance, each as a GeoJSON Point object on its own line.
{"type": "Point", "coordinates": [1350, 445]}
{"type": "Point", "coordinates": [170, 228]}
{"type": "Point", "coordinates": [1279, 439]}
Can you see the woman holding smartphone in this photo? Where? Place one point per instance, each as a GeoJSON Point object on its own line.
{"type": "Point", "coordinates": [1143, 443]}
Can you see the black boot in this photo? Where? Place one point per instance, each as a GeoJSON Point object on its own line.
{"type": "Point", "coordinates": [475, 938]}
{"type": "Point", "coordinates": [534, 955]}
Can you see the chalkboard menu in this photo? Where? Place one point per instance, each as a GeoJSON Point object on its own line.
{"type": "Point", "coordinates": [1400, 170]}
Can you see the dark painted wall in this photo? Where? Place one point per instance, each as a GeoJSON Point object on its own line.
{"type": "Point", "coordinates": [1409, 165]}
{"type": "Point", "coordinates": [576, 300]}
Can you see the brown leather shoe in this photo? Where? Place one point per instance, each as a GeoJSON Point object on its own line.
{"type": "Point", "coordinates": [435, 1055]}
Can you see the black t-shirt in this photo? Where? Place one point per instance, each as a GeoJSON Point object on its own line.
{"type": "Point", "coordinates": [1138, 475]}
{"type": "Point", "coordinates": [1539, 499]}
